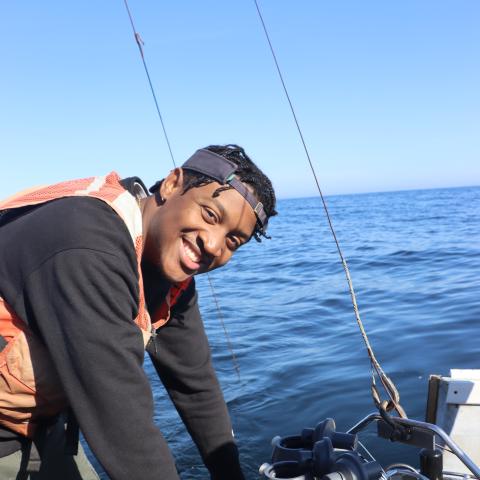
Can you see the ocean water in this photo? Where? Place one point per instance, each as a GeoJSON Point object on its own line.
{"type": "Point", "coordinates": [414, 258]}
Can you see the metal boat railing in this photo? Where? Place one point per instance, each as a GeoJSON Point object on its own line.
{"type": "Point", "coordinates": [428, 427]}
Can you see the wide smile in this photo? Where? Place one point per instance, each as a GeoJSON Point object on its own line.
{"type": "Point", "coordinates": [190, 255]}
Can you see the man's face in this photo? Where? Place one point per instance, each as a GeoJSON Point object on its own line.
{"type": "Point", "coordinates": [195, 232]}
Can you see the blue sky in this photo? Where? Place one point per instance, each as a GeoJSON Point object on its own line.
{"type": "Point", "coordinates": [387, 93]}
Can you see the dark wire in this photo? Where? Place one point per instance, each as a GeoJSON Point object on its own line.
{"type": "Point", "coordinates": [298, 127]}
{"type": "Point", "coordinates": [371, 354]}
{"type": "Point", "coordinates": [139, 42]}
{"type": "Point", "coordinates": [227, 336]}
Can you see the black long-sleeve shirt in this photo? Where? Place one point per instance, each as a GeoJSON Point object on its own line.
{"type": "Point", "coordinates": [68, 269]}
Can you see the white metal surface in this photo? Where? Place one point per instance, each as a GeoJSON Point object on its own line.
{"type": "Point", "coordinates": [463, 392]}
{"type": "Point", "coordinates": [458, 413]}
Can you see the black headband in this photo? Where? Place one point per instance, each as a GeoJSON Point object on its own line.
{"type": "Point", "coordinates": [222, 170]}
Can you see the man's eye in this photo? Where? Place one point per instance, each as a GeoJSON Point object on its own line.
{"type": "Point", "coordinates": [233, 243]}
{"type": "Point", "coordinates": [210, 215]}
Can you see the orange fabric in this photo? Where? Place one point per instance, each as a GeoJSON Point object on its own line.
{"type": "Point", "coordinates": [44, 194]}
{"type": "Point", "coordinates": [29, 387]}
{"type": "Point", "coordinates": [162, 315]}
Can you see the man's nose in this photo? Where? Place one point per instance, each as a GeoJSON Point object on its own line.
{"type": "Point", "coordinates": [213, 243]}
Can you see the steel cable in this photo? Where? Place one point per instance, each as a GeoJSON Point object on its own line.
{"type": "Point", "coordinates": [386, 382]}
{"type": "Point", "coordinates": [140, 44]}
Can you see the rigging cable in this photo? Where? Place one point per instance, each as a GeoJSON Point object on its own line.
{"type": "Point", "coordinates": [394, 402]}
{"type": "Point", "coordinates": [140, 44]}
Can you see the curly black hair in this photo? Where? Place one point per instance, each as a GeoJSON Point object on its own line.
{"type": "Point", "coordinates": [247, 172]}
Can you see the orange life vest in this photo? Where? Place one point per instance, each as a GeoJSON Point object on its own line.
{"type": "Point", "coordinates": [30, 389]}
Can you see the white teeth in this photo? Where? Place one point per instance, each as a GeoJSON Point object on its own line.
{"type": "Point", "coordinates": [191, 254]}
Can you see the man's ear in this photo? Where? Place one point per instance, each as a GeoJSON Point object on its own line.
{"type": "Point", "coordinates": [172, 183]}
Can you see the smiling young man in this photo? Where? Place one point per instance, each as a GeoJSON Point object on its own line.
{"type": "Point", "coordinates": [94, 271]}
{"type": "Point", "coordinates": [204, 229]}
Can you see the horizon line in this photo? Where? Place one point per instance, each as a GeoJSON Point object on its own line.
{"type": "Point", "coordinates": [378, 191]}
